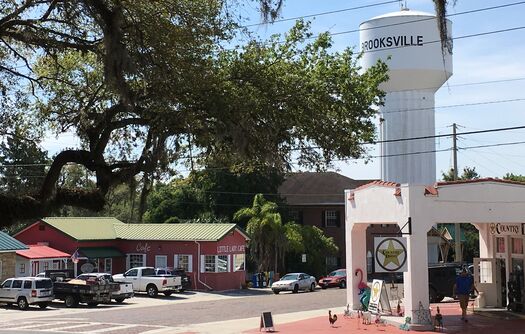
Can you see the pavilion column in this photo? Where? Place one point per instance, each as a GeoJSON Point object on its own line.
{"type": "Point", "coordinates": [355, 259]}
{"type": "Point", "coordinates": [416, 296]}
{"type": "Point", "coordinates": [484, 240]}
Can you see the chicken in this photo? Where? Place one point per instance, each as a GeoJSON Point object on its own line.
{"type": "Point", "coordinates": [332, 318]}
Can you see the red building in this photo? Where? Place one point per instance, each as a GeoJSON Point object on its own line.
{"type": "Point", "coordinates": [213, 255]}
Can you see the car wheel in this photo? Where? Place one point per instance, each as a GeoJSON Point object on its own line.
{"type": "Point", "coordinates": [119, 300]}
{"type": "Point", "coordinates": [342, 285]}
{"type": "Point", "coordinates": [43, 305]}
{"type": "Point", "coordinates": [22, 303]}
{"type": "Point", "coordinates": [276, 292]}
{"type": "Point", "coordinates": [152, 291]}
{"type": "Point", "coordinates": [71, 301]}
{"type": "Point", "coordinates": [295, 288]}
{"type": "Point", "coordinates": [312, 287]}
{"type": "Point", "coordinates": [167, 293]}
{"type": "Point", "coordinates": [432, 295]}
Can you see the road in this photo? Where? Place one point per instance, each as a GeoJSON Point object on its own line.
{"type": "Point", "coordinates": [146, 315]}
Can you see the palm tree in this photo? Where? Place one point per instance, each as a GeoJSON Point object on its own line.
{"type": "Point", "coordinates": [267, 238]}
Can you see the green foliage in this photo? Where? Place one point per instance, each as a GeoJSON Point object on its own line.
{"type": "Point", "coordinates": [468, 174]}
{"type": "Point", "coordinates": [274, 246]}
{"type": "Point", "coordinates": [309, 240]}
{"type": "Point", "coordinates": [211, 195]}
{"type": "Point", "coordinates": [514, 177]}
{"type": "Point", "coordinates": [268, 243]}
{"type": "Point", "coordinates": [22, 165]}
{"type": "Point", "coordinates": [141, 101]}
{"type": "Point", "coordinates": [174, 202]}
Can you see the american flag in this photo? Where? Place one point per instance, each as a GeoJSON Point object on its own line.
{"type": "Point", "coordinates": [75, 256]}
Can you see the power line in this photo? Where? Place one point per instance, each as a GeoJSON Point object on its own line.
{"type": "Point", "coordinates": [323, 13]}
{"type": "Point", "coordinates": [425, 19]}
{"type": "Point", "coordinates": [456, 105]}
{"type": "Point", "coordinates": [373, 143]}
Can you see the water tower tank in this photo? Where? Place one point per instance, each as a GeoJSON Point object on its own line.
{"type": "Point", "coordinates": [409, 43]}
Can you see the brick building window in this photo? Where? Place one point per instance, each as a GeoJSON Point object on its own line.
{"type": "Point", "coordinates": [331, 218]}
{"type": "Point", "coordinates": [22, 268]}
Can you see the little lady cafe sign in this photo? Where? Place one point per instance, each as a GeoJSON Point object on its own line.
{"type": "Point", "coordinates": [507, 229]}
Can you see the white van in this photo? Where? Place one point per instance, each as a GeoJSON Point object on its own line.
{"type": "Point", "coordinates": [25, 291]}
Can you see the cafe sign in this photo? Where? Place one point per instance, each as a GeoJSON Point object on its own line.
{"type": "Point", "coordinates": [230, 249]}
{"type": "Point", "coordinates": [507, 229]}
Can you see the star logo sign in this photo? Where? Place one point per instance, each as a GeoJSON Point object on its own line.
{"type": "Point", "coordinates": [391, 254]}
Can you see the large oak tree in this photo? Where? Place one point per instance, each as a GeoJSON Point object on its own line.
{"type": "Point", "coordinates": [145, 84]}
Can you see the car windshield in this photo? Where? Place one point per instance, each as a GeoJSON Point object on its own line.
{"type": "Point", "coordinates": [290, 277]}
{"type": "Point", "coordinates": [337, 273]}
{"type": "Point", "coordinates": [43, 284]}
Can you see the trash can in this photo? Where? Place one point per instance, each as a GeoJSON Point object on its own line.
{"type": "Point", "coordinates": [255, 281]}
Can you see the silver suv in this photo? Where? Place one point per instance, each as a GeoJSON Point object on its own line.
{"type": "Point", "coordinates": [25, 291]}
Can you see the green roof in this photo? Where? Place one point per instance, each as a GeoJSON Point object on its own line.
{"type": "Point", "coordinates": [99, 228]}
{"type": "Point", "coordinates": [8, 243]}
{"type": "Point", "coordinates": [99, 252]}
{"type": "Point", "coordinates": [80, 228]}
{"type": "Point", "coordinates": [180, 232]}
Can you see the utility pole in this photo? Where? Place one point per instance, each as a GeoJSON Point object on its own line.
{"type": "Point", "coordinates": [457, 226]}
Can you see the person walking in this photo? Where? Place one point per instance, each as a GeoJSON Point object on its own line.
{"type": "Point", "coordinates": [462, 288]}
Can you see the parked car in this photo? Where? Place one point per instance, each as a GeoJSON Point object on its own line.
{"type": "Point", "coordinates": [336, 278]}
{"type": "Point", "coordinates": [144, 279]}
{"type": "Point", "coordinates": [441, 280]}
{"type": "Point", "coordinates": [25, 291]}
{"type": "Point", "coordinates": [294, 282]}
{"type": "Point", "coordinates": [185, 279]}
{"type": "Point", "coordinates": [120, 290]}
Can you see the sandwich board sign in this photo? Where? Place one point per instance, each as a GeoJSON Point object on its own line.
{"type": "Point", "coordinates": [266, 322]}
{"type": "Point", "coordinates": [379, 303]}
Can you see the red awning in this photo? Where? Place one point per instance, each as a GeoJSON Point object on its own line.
{"type": "Point", "coordinates": [41, 252]}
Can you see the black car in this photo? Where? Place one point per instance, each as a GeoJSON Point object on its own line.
{"type": "Point", "coordinates": [441, 280]}
{"type": "Point", "coordinates": [185, 279]}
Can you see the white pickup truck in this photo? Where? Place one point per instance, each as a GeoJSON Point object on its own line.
{"type": "Point", "coordinates": [145, 280]}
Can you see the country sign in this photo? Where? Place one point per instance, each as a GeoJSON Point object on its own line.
{"type": "Point", "coordinates": [390, 254]}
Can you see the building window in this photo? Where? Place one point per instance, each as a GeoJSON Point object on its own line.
{"type": "Point", "coordinates": [108, 265]}
{"type": "Point", "coordinates": [46, 265]}
{"type": "Point", "coordinates": [183, 261]}
{"type": "Point", "coordinates": [331, 218]}
{"type": "Point", "coordinates": [136, 260]}
{"type": "Point", "coordinates": [238, 262]}
{"type": "Point", "coordinates": [215, 263]}
{"type": "Point", "coordinates": [517, 246]}
{"type": "Point", "coordinates": [485, 271]}
{"type": "Point", "coordinates": [222, 263]}
{"type": "Point", "coordinates": [209, 263]}
{"type": "Point", "coordinates": [22, 268]}
{"type": "Point", "coordinates": [161, 261]}
{"type": "Point", "coordinates": [500, 245]}
{"type": "Point", "coordinates": [1, 268]}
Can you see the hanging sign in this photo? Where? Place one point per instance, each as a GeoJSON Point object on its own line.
{"type": "Point", "coordinates": [390, 254]}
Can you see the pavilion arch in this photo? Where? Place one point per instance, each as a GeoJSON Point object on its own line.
{"type": "Point", "coordinates": [483, 203]}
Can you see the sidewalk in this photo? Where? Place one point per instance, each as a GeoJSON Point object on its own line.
{"type": "Point", "coordinates": [316, 321]}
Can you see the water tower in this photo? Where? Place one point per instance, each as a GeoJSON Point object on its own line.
{"type": "Point", "coordinates": [409, 42]}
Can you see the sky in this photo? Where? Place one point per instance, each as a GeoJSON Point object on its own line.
{"type": "Point", "coordinates": [486, 90]}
